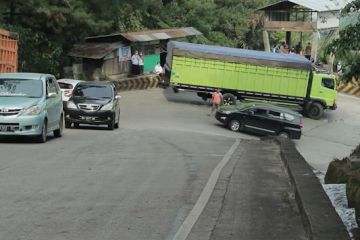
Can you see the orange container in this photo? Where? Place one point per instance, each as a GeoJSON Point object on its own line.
{"type": "Point", "coordinates": [8, 51]}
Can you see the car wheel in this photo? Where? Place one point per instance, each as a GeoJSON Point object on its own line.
{"type": "Point", "coordinates": [76, 125]}
{"type": "Point", "coordinates": [229, 99]}
{"type": "Point", "coordinates": [111, 125]}
{"type": "Point", "coordinates": [315, 111]}
{"type": "Point", "coordinates": [58, 132]}
{"type": "Point", "coordinates": [234, 125]}
{"type": "Point", "coordinates": [67, 124]}
{"type": "Point", "coordinates": [283, 135]}
{"type": "Point", "coordinates": [42, 137]}
{"type": "Point", "coordinates": [118, 121]}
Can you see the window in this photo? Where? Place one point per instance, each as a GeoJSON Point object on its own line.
{"type": "Point", "coordinates": [328, 83]}
{"type": "Point", "coordinates": [259, 111]}
{"type": "Point", "coordinates": [274, 114]}
{"type": "Point", "coordinates": [51, 86]}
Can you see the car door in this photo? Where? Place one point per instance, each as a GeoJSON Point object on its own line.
{"type": "Point", "coordinates": [275, 122]}
{"type": "Point", "coordinates": [52, 103]}
{"type": "Point", "coordinates": [257, 121]}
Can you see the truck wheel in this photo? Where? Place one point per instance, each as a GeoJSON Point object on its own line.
{"type": "Point", "coordinates": [315, 111]}
{"type": "Point", "coordinates": [234, 125]}
{"type": "Point", "coordinates": [229, 99]}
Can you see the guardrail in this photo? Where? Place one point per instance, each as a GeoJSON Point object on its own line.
{"type": "Point", "coordinates": [138, 82]}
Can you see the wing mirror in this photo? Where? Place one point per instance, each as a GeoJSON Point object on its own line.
{"type": "Point", "coordinates": [251, 113]}
{"type": "Point", "coordinates": [117, 97]}
{"type": "Point", "coordinates": [51, 95]}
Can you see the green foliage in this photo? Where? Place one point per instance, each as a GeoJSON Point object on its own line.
{"type": "Point", "coordinates": [347, 46]}
{"type": "Point", "coordinates": [49, 28]}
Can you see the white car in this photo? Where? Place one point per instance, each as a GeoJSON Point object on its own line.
{"type": "Point", "coordinates": [67, 86]}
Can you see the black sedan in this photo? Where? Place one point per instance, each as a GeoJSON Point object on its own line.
{"type": "Point", "coordinates": [262, 119]}
{"type": "Point", "coordinates": [93, 103]}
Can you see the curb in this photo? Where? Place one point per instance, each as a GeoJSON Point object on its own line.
{"type": "Point", "coordinates": [350, 88]}
{"type": "Point", "coordinates": [319, 216]}
{"type": "Point", "coordinates": [137, 83]}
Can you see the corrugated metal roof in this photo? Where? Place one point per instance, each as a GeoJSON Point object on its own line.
{"type": "Point", "coordinates": [93, 50]}
{"type": "Point", "coordinates": [162, 34]}
{"type": "Point", "coordinates": [316, 5]}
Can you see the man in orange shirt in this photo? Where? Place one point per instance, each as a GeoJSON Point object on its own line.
{"type": "Point", "coordinates": [216, 101]}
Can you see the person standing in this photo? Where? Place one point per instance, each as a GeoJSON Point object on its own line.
{"type": "Point", "coordinates": [158, 69]}
{"type": "Point", "coordinates": [216, 100]}
{"type": "Point", "coordinates": [141, 63]}
{"type": "Point", "coordinates": [308, 51]}
{"type": "Point", "coordinates": [135, 69]}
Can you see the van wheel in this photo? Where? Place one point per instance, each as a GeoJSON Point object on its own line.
{"type": "Point", "coordinates": [234, 125]}
{"type": "Point", "coordinates": [316, 110]}
{"type": "Point", "coordinates": [42, 137]}
{"type": "Point", "coordinates": [284, 135]}
{"type": "Point", "coordinates": [111, 125]}
{"type": "Point", "coordinates": [229, 99]}
{"type": "Point", "coordinates": [117, 123]}
{"type": "Point", "coordinates": [58, 132]}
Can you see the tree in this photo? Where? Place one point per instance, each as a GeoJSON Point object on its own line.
{"type": "Point", "coordinates": [347, 46]}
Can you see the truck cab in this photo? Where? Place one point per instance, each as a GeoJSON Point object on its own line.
{"type": "Point", "coordinates": [323, 94]}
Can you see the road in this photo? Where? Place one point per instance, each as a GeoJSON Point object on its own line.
{"type": "Point", "coordinates": [137, 182]}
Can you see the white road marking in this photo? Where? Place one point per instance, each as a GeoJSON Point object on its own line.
{"type": "Point", "coordinates": [199, 206]}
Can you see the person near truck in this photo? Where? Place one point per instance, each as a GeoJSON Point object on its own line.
{"type": "Point", "coordinates": [308, 51]}
{"type": "Point", "coordinates": [216, 100]}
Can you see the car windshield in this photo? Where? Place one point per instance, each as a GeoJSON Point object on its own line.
{"type": "Point", "coordinates": [21, 88]}
{"type": "Point", "coordinates": [93, 91]}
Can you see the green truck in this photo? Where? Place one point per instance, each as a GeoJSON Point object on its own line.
{"type": "Point", "coordinates": [249, 75]}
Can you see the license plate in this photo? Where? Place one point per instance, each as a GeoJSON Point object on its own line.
{"type": "Point", "coordinates": [87, 118]}
{"type": "Point", "coordinates": [6, 128]}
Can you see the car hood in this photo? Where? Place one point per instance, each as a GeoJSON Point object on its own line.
{"type": "Point", "coordinates": [98, 101]}
{"type": "Point", "coordinates": [18, 102]}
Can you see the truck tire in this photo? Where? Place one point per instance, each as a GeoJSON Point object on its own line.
{"type": "Point", "coordinates": [315, 111]}
{"type": "Point", "coordinates": [229, 99]}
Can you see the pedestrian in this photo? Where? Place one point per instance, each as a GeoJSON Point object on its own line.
{"type": "Point", "coordinates": [135, 69]}
{"type": "Point", "coordinates": [158, 69]}
{"type": "Point", "coordinates": [308, 51]}
{"type": "Point", "coordinates": [216, 100]}
{"type": "Point", "coordinates": [298, 48]}
{"type": "Point", "coordinates": [141, 63]}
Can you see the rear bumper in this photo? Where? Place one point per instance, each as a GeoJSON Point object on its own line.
{"type": "Point", "coordinates": [92, 118]}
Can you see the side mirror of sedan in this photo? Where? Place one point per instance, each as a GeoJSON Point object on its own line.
{"type": "Point", "coordinates": [117, 97]}
{"type": "Point", "coordinates": [251, 113]}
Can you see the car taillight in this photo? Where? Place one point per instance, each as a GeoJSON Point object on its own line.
{"type": "Point", "coordinates": [68, 92]}
{"type": "Point", "coordinates": [301, 125]}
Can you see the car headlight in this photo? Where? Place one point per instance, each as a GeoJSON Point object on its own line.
{"type": "Point", "coordinates": [226, 112]}
{"type": "Point", "coordinates": [71, 105]}
{"type": "Point", "coordinates": [107, 107]}
{"type": "Point", "coordinates": [33, 110]}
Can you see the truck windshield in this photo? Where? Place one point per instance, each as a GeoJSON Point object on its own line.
{"type": "Point", "coordinates": [21, 88]}
{"type": "Point", "coordinates": [93, 91]}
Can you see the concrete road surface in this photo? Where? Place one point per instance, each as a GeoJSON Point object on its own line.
{"type": "Point", "coordinates": [137, 182]}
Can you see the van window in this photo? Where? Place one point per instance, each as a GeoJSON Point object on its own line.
{"type": "Point", "coordinates": [328, 83]}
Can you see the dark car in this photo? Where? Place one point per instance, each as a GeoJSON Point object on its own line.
{"type": "Point", "coordinates": [262, 119]}
{"type": "Point", "coordinates": [93, 103]}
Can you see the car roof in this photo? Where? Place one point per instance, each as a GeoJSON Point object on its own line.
{"type": "Point", "coordinates": [26, 75]}
{"type": "Point", "coordinates": [71, 81]}
{"type": "Point", "coordinates": [271, 107]}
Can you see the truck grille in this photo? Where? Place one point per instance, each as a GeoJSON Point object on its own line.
{"type": "Point", "coordinates": [9, 111]}
{"type": "Point", "coordinates": [89, 107]}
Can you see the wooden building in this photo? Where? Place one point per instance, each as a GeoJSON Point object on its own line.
{"type": "Point", "coordinates": [301, 16]}
{"type": "Point", "coordinates": [109, 56]}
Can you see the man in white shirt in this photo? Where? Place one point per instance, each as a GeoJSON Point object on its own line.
{"type": "Point", "coordinates": [135, 68]}
{"type": "Point", "coordinates": [158, 69]}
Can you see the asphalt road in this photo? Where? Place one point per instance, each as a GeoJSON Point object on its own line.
{"type": "Point", "coordinates": [137, 182]}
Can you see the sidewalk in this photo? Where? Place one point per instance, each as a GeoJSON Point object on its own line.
{"type": "Point", "coordinates": [258, 201]}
